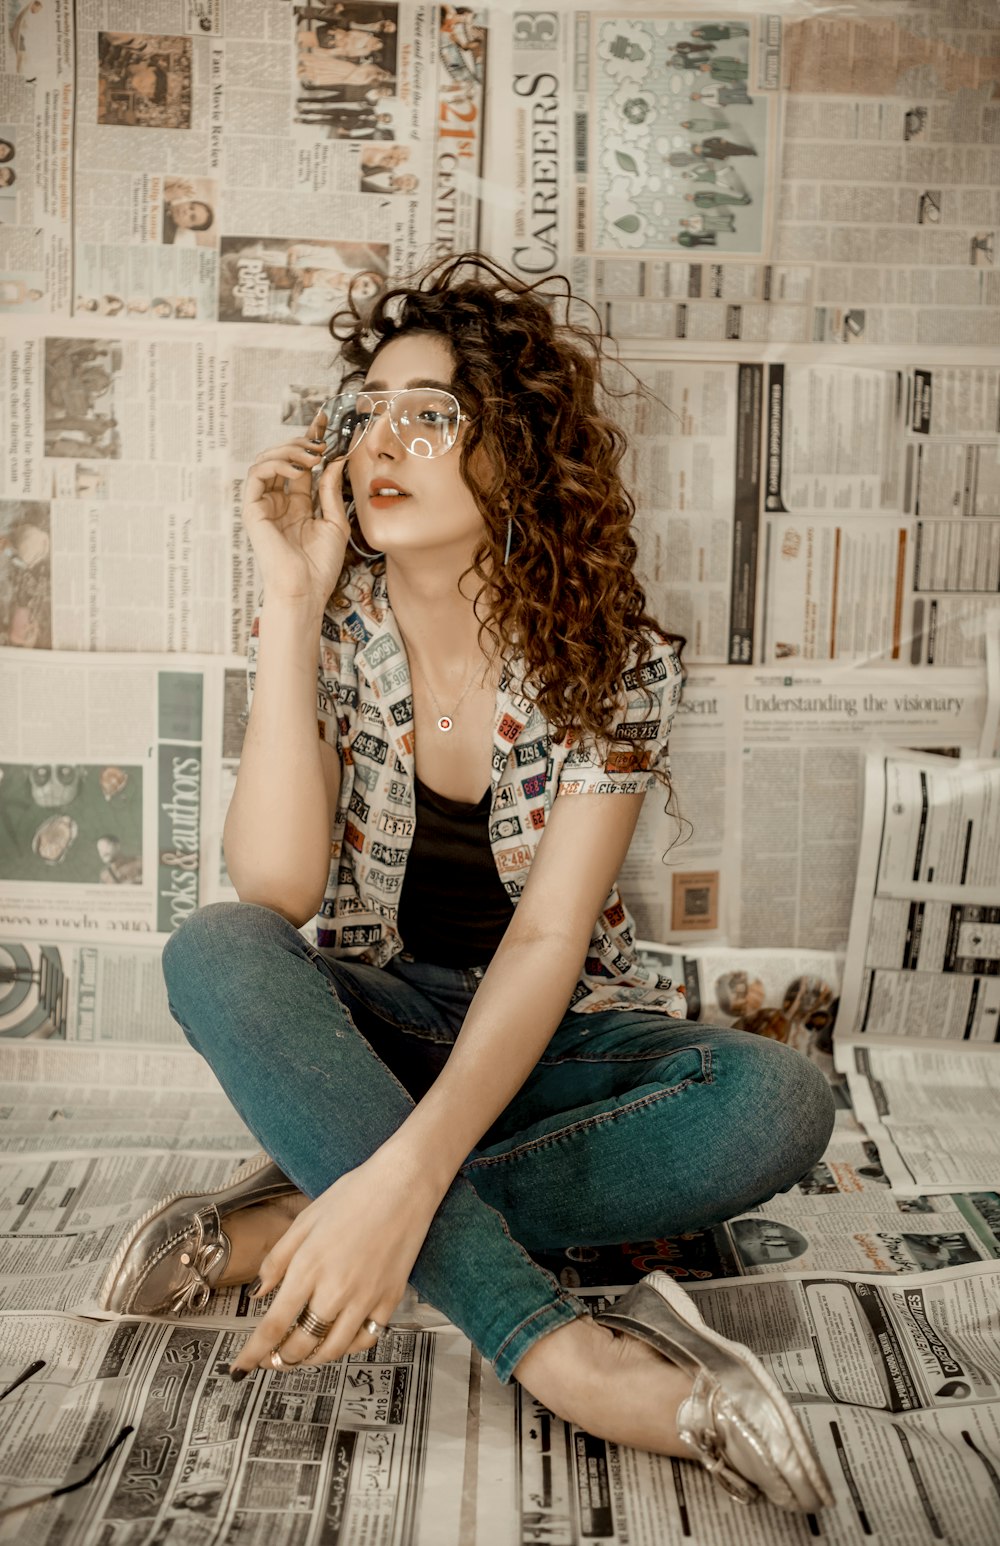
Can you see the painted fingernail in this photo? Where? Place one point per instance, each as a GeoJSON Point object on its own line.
{"type": "Point", "coordinates": [254, 1287]}
{"type": "Point", "coordinates": [238, 1374]}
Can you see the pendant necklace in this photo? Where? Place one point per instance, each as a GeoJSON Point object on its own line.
{"type": "Point", "coordinates": [445, 721]}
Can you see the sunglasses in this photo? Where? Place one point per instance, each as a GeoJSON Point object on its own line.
{"type": "Point", "coordinates": [425, 420]}
{"type": "Point", "coordinates": [33, 1368]}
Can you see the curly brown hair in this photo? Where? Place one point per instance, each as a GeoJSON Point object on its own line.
{"type": "Point", "coordinates": [567, 599]}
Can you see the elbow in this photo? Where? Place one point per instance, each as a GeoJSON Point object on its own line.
{"type": "Point", "coordinates": [289, 895]}
{"type": "Point", "coordinates": [270, 880]}
{"type": "Point", "coordinates": [297, 910]}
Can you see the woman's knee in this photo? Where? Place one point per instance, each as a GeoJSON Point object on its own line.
{"type": "Point", "coordinates": [209, 954]}
{"type": "Point", "coordinates": [789, 1102]}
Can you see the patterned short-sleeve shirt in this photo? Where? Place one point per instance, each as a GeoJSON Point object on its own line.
{"type": "Point", "coordinates": [365, 711]}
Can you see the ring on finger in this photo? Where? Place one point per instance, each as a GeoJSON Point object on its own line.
{"type": "Point", "coordinates": [277, 1362]}
{"type": "Point", "coordinates": [313, 1326]}
{"type": "Point", "coordinates": [373, 1328]}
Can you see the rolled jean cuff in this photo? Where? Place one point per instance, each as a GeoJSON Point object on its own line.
{"type": "Point", "coordinates": [558, 1313]}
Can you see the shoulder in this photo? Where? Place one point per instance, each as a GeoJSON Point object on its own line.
{"type": "Point", "coordinates": [654, 671]}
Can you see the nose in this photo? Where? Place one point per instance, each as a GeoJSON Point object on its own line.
{"type": "Point", "coordinates": [381, 436]}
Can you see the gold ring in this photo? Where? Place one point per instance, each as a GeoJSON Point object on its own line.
{"type": "Point", "coordinates": [276, 1361]}
{"type": "Point", "coordinates": [373, 1329]}
{"type": "Point", "coordinates": [313, 1326]}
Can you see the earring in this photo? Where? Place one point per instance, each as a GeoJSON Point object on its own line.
{"type": "Point", "coordinates": [510, 533]}
{"type": "Point", "coordinates": [361, 552]}
{"type": "Point", "coordinates": [350, 512]}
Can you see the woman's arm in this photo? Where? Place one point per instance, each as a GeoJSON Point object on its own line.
{"type": "Point", "coordinates": [526, 990]}
{"type": "Point", "coordinates": [277, 833]}
{"type": "Point", "coordinates": [350, 1252]}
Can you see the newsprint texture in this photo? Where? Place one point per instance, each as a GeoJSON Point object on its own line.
{"type": "Point", "coordinates": [786, 218]}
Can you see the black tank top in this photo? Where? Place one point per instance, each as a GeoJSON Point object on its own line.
{"type": "Point", "coordinates": [453, 909]}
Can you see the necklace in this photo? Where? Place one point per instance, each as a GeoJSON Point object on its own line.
{"type": "Point", "coordinates": [445, 721]}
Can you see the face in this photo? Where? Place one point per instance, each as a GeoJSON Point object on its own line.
{"type": "Point", "coordinates": [436, 509]}
{"type": "Point", "coordinates": [190, 214]}
{"type": "Point", "coordinates": [366, 287]}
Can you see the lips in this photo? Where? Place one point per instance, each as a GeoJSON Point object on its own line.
{"type": "Point", "coordinates": [385, 488]}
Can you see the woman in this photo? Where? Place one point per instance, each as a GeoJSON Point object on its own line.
{"type": "Point", "coordinates": [472, 1062]}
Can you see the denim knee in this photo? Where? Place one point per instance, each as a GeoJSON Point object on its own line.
{"type": "Point", "coordinates": [798, 1105]}
{"type": "Point", "coordinates": [206, 953]}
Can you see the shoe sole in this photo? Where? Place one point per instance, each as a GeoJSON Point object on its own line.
{"type": "Point", "coordinates": [245, 1171]}
{"type": "Point", "coordinates": [683, 1305]}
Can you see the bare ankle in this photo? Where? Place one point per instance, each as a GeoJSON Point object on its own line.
{"type": "Point", "coordinates": [615, 1387]}
{"type": "Point", "coordinates": [253, 1231]}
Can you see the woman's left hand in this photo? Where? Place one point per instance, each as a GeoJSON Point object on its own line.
{"type": "Point", "coordinates": [347, 1257]}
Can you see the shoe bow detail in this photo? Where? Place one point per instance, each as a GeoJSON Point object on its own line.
{"type": "Point", "coordinates": [194, 1292]}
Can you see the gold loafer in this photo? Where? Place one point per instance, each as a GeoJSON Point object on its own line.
{"type": "Point", "coordinates": [736, 1421]}
{"type": "Point", "coordinates": [172, 1257]}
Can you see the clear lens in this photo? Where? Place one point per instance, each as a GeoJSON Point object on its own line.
{"type": "Point", "coordinates": [423, 419]}
{"type": "Point", "coordinates": [342, 428]}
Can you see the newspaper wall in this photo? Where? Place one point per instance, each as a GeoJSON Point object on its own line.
{"type": "Point", "coordinates": [760, 843]}
{"type": "Point", "coordinates": [920, 1010]}
{"type": "Point", "coordinates": [112, 806]}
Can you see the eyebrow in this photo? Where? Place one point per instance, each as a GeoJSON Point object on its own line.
{"type": "Point", "coordinates": [420, 381]}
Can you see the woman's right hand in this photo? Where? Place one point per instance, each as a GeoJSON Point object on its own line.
{"type": "Point", "coordinates": [299, 554]}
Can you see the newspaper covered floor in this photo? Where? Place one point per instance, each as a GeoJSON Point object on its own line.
{"type": "Point", "coordinates": [894, 1370]}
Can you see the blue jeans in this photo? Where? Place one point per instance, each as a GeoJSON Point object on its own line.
{"type": "Point", "coordinates": [631, 1126]}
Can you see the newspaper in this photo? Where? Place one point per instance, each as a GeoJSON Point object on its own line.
{"type": "Point", "coordinates": [920, 1006]}
{"type": "Point", "coordinates": [98, 992]}
{"type": "Point", "coordinates": [895, 1383]}
{"type": "Point", "coordinates": [768, 773]}
{"type": "Point", "coordinates": [885, 1377]}
{"type": "Point", "coordinates": [299, 125]}
{"type": "Point", "coordinates": [112, 807]}
{"type": "Point", "coordinates": [830, 1337]}
{"type": "Point", "coordinates": [338, 1453]}
{"type": "Point", "coordinates": [840, 204]}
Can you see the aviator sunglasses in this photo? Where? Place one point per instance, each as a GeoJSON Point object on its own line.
{"type": "Point", "coordinates": [425, 420]}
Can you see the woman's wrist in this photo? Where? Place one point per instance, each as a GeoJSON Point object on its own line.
{"type": "Point", "coordinates": [291, 614]}
{"type": "Point", "coordinates": [424, 1162]}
